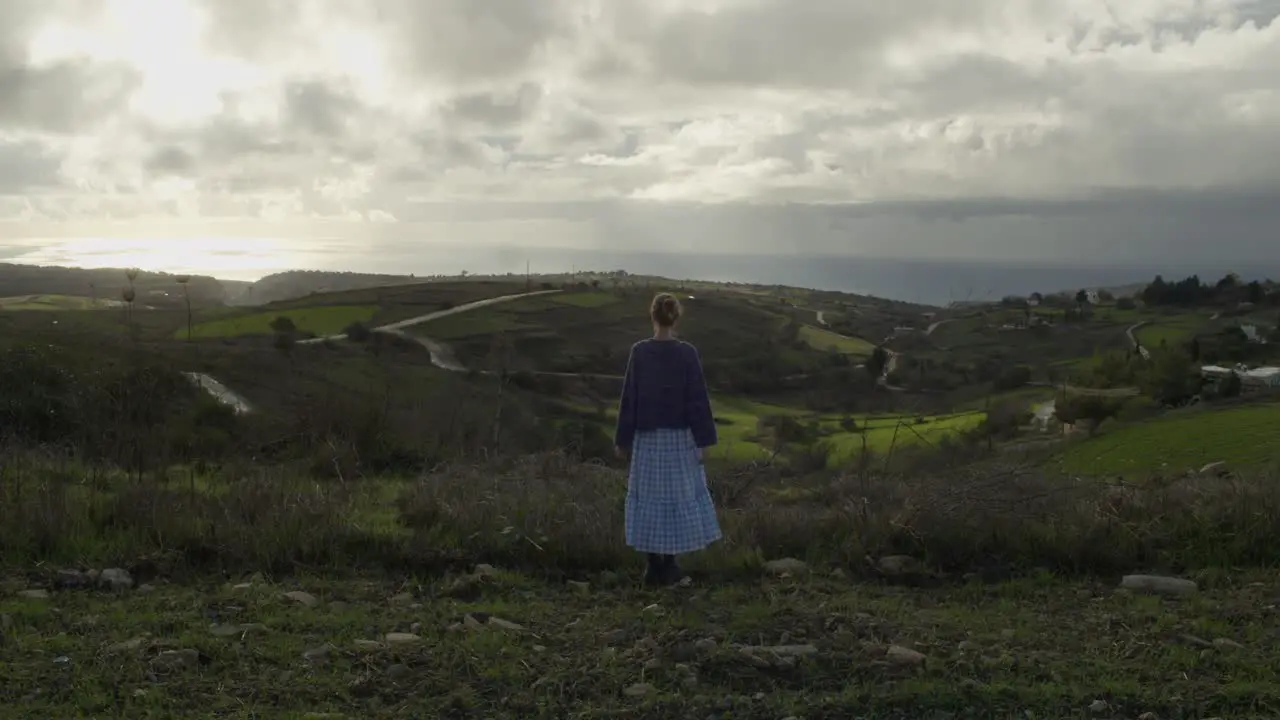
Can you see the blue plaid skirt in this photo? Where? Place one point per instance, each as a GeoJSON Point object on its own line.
{"type": "Point", "coordinates": [669, 510]}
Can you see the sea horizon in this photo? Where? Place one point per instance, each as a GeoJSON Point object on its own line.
{"type": "Point", "coordinates": [917, 280]}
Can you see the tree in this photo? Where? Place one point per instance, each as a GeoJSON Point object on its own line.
{"type": "Point", "coordinates": [1126, 303]}
{"type": "Point", "coordinates": [1082, 298]}
{"type": "Point", "coordinates": [1094, 409]}
{"type": "Point", "coordinates": [357, 332]}
{"type": "Point", "coordinates": [283, 325]}
{"type": "Point", "coordinates": [1170, 376]}
{"type": "Point", "coordinates": [1037, 298]}
{"type": "Point", "coordinates": [878, 361]}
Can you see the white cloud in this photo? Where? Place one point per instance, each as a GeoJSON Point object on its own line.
{"type": "Point", "coordinates": [376, 112]}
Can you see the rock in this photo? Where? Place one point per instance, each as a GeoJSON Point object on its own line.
{"type": "Point", "coordinates": [485, 570]}
{"type": "Point", "coordinates": [968, 646]}
{"type": "Point", "coordinates": [706, 645]}
{"type": "Point", "coordinates": [1158, 585]}
{"type": "Point", "coordinates": [396, 638]}
{"type": "Point", "coordinates": [1214, 468]}
{"type": "Point", "coordinates": [749, 656]}
{"type": "Point", "coordinates": [176, 660]}
{"type": "Point", "coordinates": [239, 587]}
{"type": "Point", "coordinates": [788, 650]}
{"type": "Point", "coordinates": [582, 588]}
{"type": "Point", "coordinates": [505, 624]}
{"type": "Point", "coordinates": [1227, 644]}
{"type": "Point", "coordinates": [71, 579]}
{"type": "Point", "coordinates": [1097, 707]}
{"type": "Point", "coordinates": [655, 609]}
{"type": "Point", "coordinates": [6, 622]}
{"type": "Point", "coordinates": [786, 566]}
{"type": "Point", "coordinates": [316, 654]}
{"type": "Point", "coordinates": [1196, 641]}
{"type": "Point", "coordinates": [467, 587]}
{"type": "Point", "coordinates": [899, 655]}
{"type": "Point", "coordinates": [34, 594]}
{"type": "Point", "coordinates": [127, 646]}
{"type": "Point", "coordinates": [302, 598]}
{"type": "Point", "coordinates": [639, 690]}
{"type": "Point", "coordinates": [653, 664]}
{"type": "Point", "coordinates": [402, 599]}
{"type": "Point", "coordinates": [897, 565]}
{"type": "Point", "coordinates": [369, 645]}
{"type": "Point", "coordinates": [146, 589]}
{"type": "Point", "coordinates": [614, 637]}
{"type": "Point", "coordinates": [226, 630]}
{"type": "Point", "coordinates": [398, 672]}
{"type": "Point", "coordinates": [470, 622]}
{"type": "Point", "coordinates": [339, 606]}
{"type": "Point", "coordinates": [1148, 716]}
{"type": "Point", "coordinates": [116, 579]}
{"type": "Point", "coordinates": [1008, 634]}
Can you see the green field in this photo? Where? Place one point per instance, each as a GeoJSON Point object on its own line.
{"type": "Point", "coordinates": [1242, 437]}
{"type": "Point", "coordinates": [322, 320]}
{"type": "Point", "coordinates": [55, 302]}
{"type": "Point", "coordinates": [820, 339]}
{"type": "Point", "coordinates": [882, 434]}
{"type": "Point", "coordinates": [585, 299]}
{"type": "Point", "coordinates": [1168, 331]}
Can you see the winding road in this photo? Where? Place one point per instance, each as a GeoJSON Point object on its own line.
{"type": "Point", "coordinates": [1133, 340]}
{"type": "Point", "coordinates": [442, 356]}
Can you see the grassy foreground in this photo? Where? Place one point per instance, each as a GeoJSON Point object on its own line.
{"type": "Point", "coordinates": [508, 645]}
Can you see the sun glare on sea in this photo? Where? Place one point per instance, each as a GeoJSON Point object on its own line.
{"type": "Point", "coordinates": [228, 258]}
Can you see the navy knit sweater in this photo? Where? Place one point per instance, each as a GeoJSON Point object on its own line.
{"type": "Point", "coordinates": [665, 388]}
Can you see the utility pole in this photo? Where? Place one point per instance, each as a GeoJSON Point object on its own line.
{"type": "Point", "coordinates": [528, 281]}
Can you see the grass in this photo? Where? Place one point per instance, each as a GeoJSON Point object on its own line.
{"type": "Point", "coordinates": [482, 321]}
{"type": "Point", "coordinates": [321, 320]}
{"type": "Point", "coordinates": [821, 339]}
{"type": "Point", "coordinates": [1042, 646]}
{"type": "Point", "coordinates": [1168, 331]}
{"type": "Point", "coordinates": [586, 299]}
{"type": "Point", "coordinates": [1243, 437]}
{"type": "Point", "coordinates": [55, 302]}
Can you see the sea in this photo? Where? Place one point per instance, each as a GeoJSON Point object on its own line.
{"type": "Point", "coordinates": [915, 280]}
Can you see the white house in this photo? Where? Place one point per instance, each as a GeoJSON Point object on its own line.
{"type": "Point", "coordinates": [1251, 332]}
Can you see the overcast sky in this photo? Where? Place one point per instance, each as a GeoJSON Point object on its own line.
{"type": "Point", "coordinates": [1108, 129]}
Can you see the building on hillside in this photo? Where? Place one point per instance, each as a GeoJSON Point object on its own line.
{"type": "Point", "coordinates": [1251, 379]}
{"type": "Point", "coordinates": [1092, 296]}
{"type": "Point", "coordinates": [1252, 334]}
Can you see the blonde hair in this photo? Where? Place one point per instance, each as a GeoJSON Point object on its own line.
{"type": "Point", "coordinates": [665, 309]}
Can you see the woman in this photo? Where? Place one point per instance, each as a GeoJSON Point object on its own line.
{"type": "Point", "coordinates": [665, 427]}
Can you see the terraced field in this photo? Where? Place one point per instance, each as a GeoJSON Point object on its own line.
{"type": "Point", "coordinates": [55, 302]}
{"type": "Point", "coordinates": [820, 339]}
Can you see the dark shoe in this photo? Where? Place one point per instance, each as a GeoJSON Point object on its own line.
{"type": "Point", "coordinates": [654, 575]}
{"type": "Point", "coordinates": [671, 572]}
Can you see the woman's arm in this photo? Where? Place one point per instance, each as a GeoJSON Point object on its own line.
{"type": "Point", "coordinates": [698, 403]}
{"type": "Point", "coordinates": [626, 430]}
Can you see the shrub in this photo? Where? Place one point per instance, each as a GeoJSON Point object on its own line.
{"type": "Point", "coordinates": [357, 332]}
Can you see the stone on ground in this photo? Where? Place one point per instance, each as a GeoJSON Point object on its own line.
{"type": "Point", "coordinates": [1158, 585]}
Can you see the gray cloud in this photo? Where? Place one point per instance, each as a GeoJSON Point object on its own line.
{"type": "Point", "coordinates": [915, 127]}
{"type": "Point", "coordinates": [27, 166]}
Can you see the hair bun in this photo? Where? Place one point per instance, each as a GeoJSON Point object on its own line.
{"type": "Point", "coordinates": [665, 309]}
